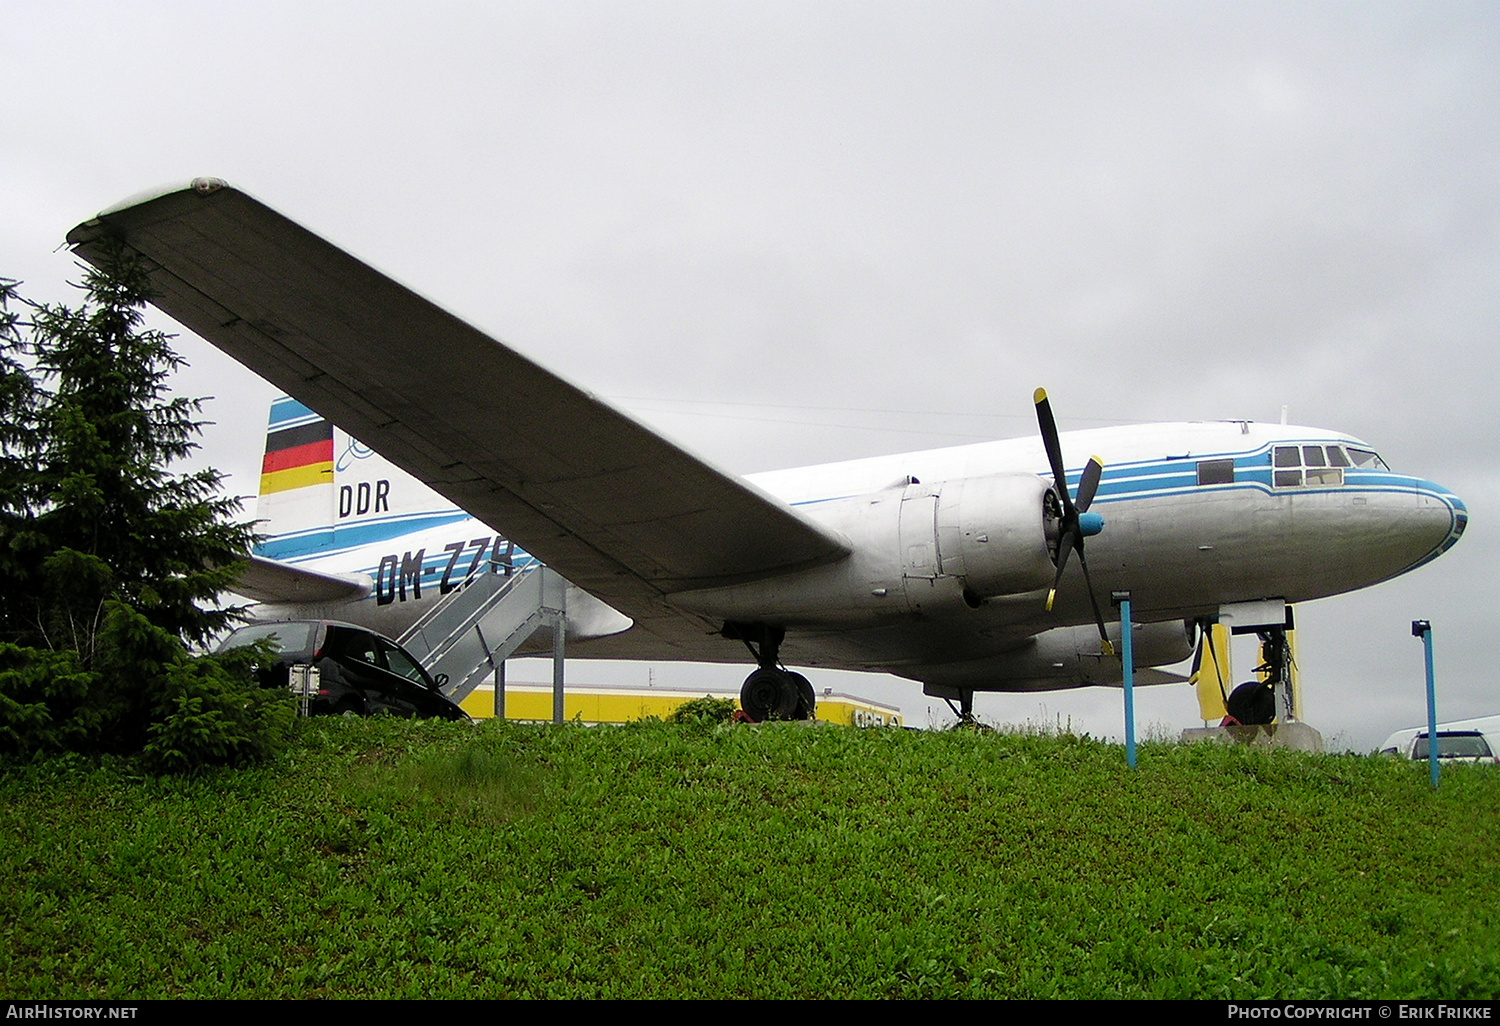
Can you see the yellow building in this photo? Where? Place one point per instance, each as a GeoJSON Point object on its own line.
{"type": "Point", "coordinates": [593, 704]}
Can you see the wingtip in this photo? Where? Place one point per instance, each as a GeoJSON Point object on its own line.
{"type": "Point", "coordinates": [90, 230]}
{"type": "Point", "coordinates": [202, 185]}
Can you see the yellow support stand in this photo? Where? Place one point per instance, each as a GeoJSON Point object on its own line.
{"type": "Point", "coordinates": [1213, 675]}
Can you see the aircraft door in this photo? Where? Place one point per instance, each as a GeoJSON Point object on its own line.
{"type": "Point", "coordinates": [921, 563]}
{"type": "Point", "coordinates": [918, 532]}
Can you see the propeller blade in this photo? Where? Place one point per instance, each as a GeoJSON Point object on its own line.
{"type": "Point", "coordinates": [1054, 448]}
{"type": "Point", "coordinates": [1089, 483]}
{"type": "Point", "coordinates": [1109, 649]}
{"type": "Point", "coordinates": [1071, 532]}
{"type": "Point", "coordinates": [1064, 547]}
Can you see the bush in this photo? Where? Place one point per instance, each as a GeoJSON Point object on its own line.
{"type": "Point", "coordinates": [705, 711]}
{"type": "Point", "coordinates": [210, 715]}
{"type": "Point", "coordinates": [46, 702]}
{"type": "Point", "coordinates": [144, 694]}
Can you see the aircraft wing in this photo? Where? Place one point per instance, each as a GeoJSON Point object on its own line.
{"type": "Point", "coordinates": [270, 580]}
{"type": "Point", "coordinates": [617, 509]}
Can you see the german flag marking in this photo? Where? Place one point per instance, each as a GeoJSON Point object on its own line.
{"type": "Point", "coordinates": [297, 477]}
{"type": "Point", "coordinates": [298, 456]}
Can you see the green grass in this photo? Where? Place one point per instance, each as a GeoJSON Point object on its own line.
{"type": "Point", "coordinates": [390, 858]}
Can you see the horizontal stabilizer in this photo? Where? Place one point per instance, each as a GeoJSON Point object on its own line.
{"type": "Point", "coordinates": [267, 580]}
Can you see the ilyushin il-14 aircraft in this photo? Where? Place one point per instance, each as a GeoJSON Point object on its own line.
{"type": "Point", "coordinates": [975, 568]}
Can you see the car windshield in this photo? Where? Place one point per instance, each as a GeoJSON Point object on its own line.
{"type": "Point", "coordinates": [285, 637]}
{"type": "Point", "coordinates": [1454, 746]}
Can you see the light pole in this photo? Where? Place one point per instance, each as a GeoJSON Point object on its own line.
{"type": "Point", "coordinates": [1423, 629]}
{"type": "Point", "coordinates": [1127, 655]}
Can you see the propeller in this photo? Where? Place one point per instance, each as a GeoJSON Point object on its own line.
{"type": "Point", "coordinates": [1076, 522]}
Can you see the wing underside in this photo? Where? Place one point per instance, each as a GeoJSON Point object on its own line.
{"type": "Point", "coordinates": [617, 509]}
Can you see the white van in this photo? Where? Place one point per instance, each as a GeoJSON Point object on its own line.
{"type": "Point", "coordinates": [1476, 740]}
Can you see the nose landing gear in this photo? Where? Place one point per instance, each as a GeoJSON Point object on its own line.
{"type": "Point", "coordinates": [1273, 697]}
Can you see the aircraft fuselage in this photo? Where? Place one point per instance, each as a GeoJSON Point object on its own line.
{"type": "Point", "coordinates": [950, 558]}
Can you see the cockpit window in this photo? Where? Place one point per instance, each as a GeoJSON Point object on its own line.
{"type": "Point", "coordinates": [1308, 466]}
{"type": "Point", "coordinates": [1364, 459]}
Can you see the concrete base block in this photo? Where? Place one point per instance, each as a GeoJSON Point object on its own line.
{"type": "Point", "coordinates": [1297, 736]}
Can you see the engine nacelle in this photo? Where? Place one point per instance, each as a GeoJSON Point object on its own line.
{"type": "Point", "coordinates": [991, 532]}
{"type": "Point", "coordinates": [918, 548]}
{"type": "Point", "coordinates": [1066, 657]}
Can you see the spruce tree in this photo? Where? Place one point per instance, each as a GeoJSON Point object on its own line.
{"type": "Point", "coordinates": [112, 562]}
{"type": "Point", "coordinates": [17, 466]}
{"type": "Point", "coordinates": [108, 517]}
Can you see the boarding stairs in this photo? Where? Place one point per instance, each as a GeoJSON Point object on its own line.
{"type": "Point", "coordinates": [474, 628]}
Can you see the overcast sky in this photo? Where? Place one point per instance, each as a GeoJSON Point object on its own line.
{"type": "Point", "coordinates": [785, 233]}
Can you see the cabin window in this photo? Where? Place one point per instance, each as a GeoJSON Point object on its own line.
{"type": "Point", "coordinates": [1308, 466]}
{"type": "Point", "coordinates": [1212, 472]}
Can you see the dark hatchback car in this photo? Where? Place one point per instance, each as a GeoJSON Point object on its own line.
{"type": "Point", "coordinates": [361, 673]}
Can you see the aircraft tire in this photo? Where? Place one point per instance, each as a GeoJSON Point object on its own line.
{"type": "Point", "coordinates": [769, 695]}
{"type": "Point", "coordinates": [807, 699]}
{"type": "Point", "coordinates": [1252, 703]}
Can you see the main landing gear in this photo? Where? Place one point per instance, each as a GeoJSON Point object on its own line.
{"type": "Point", "coordinates": [771, 692]}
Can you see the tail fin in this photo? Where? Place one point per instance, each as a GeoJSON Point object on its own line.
{"type": "Point", "coordinates": [296, 506]}
{"type": "Point", "coordinates": [322, 491]}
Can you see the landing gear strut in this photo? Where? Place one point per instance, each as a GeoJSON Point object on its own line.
{"type": "Point", "coordinates": [771, 692]}
{"type": "Point", "coordinates": [965, 708]}
{"type": "Point", "coordinates": [1277, 667]}
{"type": "Point", "coordinates": [1269, 699]}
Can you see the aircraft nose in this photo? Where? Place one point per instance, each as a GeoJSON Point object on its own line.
{"type": "Point", "coordinates": [1443, 517]}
